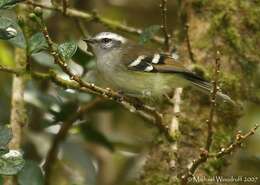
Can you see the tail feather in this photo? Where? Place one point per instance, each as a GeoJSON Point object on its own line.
{"type": "Point", "coordinates": [206, 87]}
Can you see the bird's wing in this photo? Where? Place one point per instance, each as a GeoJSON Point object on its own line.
{"type": "Point", "coordinates": [143, 61]}
{"type": "Point", "coordinates": [154, 62]}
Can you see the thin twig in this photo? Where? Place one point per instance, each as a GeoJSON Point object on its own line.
{"type": "Point", "coordinates": [191, 54]}
{"type": "Point", "coordinates": [205, 151]}
{"type": "Point", "coordinates": [65, 6]}
{"type": "Point", "coordinates": [9, 70]}
{"type": "Point", "coordinates": [178, 92]}
{"type": "Point", "coordinates": [240, 139]}
{"type": "Point", "coordinates": [236, 144]}
{"type": "Point", "coordinates": [61, 136]}
{"type": "Point", "coordinates": [115, 25]}
{"type": "Point", "coordinates": [52, 76]}
{"type": "Point", "coordinates": [81, 28]}
{"type": "Point", "coordinates": [204, 155]}
{"type": "Point", "coordinates": [174, 124]}
{"type": "Point", "coordinates": [106, 93]}
{"type": "Point", "coordinates": [213, 101]}
{"type": "Point", "coordinates": [164, 25]}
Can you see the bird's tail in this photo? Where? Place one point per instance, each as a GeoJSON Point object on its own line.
{"type": "Point", "coordinates": [206, 87]}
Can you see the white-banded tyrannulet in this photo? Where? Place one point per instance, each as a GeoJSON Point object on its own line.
{"type": "Point", "coordinates": [141, 72]}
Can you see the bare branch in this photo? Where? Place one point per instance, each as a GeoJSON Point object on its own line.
{"type": "Point", "coordinates": [65, 6]}
{"type": "Point", "coordinates": [18, 117]}
{"type": "Point", "coordinates": [213, 101]}
{"type": "Point", "coordinates": [106, 93]}
{"type": "Point", "coordinates": [191, 54]}
{"type": "Point", "coordinates": [164, 26]}
{"type": "Point", "coordinates": [52, 76]}
{"type": "Point", "coordinates": [9, 70]}
{"type": "Point", "coordinates": [204, 155]}
{"type": "Point", "coordinates": [176, 110]}
{"type": "Point", "coordinates": [204, 152]}
{"type": "Point", "coordinates": [97, 18]}
{"type": "Point", "coordinates": [18, 112]}
{"type": "Point", "coordinates": [236, 144]}
{"type": "Point", "coordinates": [224, 151]}
{"type": "Point", "coordinates": [81, 28]}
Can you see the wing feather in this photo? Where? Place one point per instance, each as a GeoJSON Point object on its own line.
{"type": "Point", "coordinates": [161, 63]}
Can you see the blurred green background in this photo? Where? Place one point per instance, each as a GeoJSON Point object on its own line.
{"type": "Point", "coordinates": [114, 144]}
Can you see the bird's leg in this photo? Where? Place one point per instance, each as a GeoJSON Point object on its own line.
{"type": "Point", "coordinates": [137, 103]}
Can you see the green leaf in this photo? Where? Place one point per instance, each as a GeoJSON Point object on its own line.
{"type": "Point", "coordinates": [67, 50]}
{"type": "Point", "coordinates": [44, 59]}
{"type": "Point", "coordinates": [148, 33]}
{"type": "Point", "coordinates": [5, 4]}
{"type": "Point", "coordinates": [11, 163]}
{"type": "Point", "coordinates": [31, 174]}
{"type": "Point", "coordinates": [7, 33]}
{"type": "Point", "coordinates": [5, 136]}
{"type": "Point", "coordinates": [9, 24]}
{"type": "Point", "coordinates": [82, 57]}
{"type": "Point", "coordinates": [66, 109]}
{"type": "Point", "coordinates": [91, 134]}
{"type": "Point", "coordinates": [37, 43]}
{"type": "Point", "coordinates": [3, 150]}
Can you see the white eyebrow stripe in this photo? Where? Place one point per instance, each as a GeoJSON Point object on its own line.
{"type": "Point", "coordinates": [148, 68]}
{"type": "Point", "coordinates": [156, 58]}
{"type": "Point", "coordinates": [110, 35]}
{"type": "Point", "coordinates": [137, 61]}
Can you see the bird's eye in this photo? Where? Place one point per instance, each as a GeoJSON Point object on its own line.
{"type": "Point", "coordinates": [106, 40]}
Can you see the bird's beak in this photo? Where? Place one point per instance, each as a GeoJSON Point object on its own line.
{"type": "Point", "coordinates": [90, 41]}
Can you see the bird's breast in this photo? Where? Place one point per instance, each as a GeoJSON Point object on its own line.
{"type": "Point", "coordinates": [134, 83]}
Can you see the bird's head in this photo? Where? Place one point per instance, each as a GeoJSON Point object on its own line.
{"type": "Point", "coordinates": [105, 42]}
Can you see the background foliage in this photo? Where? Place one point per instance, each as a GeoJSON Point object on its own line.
{"type": "Point", "coordinates": [108, 144]}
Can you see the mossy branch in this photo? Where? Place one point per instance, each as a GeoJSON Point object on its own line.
{"type": "Point", "coordinates": [205, 152]}
{"type": "Point", "coordinates": [18, 117]}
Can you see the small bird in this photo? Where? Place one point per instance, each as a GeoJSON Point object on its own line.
{"type": "Point", "coordinates": [141, 72]}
